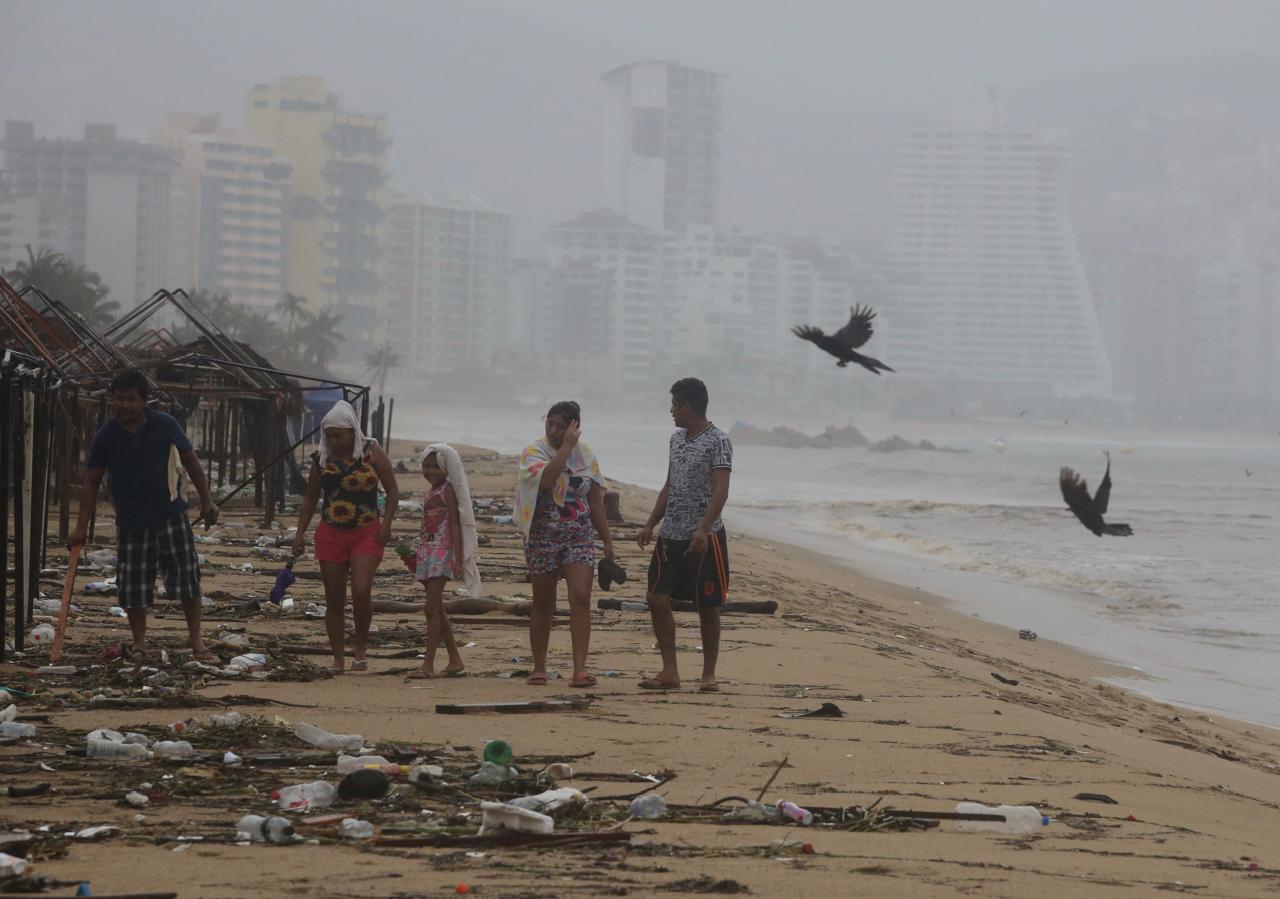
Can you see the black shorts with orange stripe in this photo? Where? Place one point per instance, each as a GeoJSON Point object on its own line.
{"type": "Point", "coordinates": [688, 577]}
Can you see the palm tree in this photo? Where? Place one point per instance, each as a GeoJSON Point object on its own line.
{"type": "Point", "coordinates": [61, 279]}
{"type": "Point", "coordinates": [380, 362]}
{"type": "Point", "coordinates": [293, 307]}
{"type": "Point", "coordinates": [319, 337]}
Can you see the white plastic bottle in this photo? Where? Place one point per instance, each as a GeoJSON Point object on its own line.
{"type": "Point", "coordinates": [173, 749]}
{"type": "Point", "coordinates": [551, 800]}
{"type": "Point", "coordinates": [230, 719]}
{"type": "Point", "coordinates": [304, 797]}
{"type": "Point", "coordinates": [109, 744]}
{"type": "Point", "coordinates": [355, 829]}
{"type": "Point", "coordinates": [1017, 818]}
{"type": "Point", "coordinates": [263, 829]}
{"type": "Point", "coordinates": [650, 805]}
{"type": "Point", "coordinates": [309, 733]}
{"type": "Point", "coordinates": [349, 763]}
{"type": "Point", "coordinates": [11, 866]}
{"type": "Point", "coordinates": [801, 816]}
{"type": "Point", "coordinates": [10, 730]}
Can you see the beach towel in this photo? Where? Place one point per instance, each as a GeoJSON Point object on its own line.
{"type": "Point", "coordinates": [581, 463]}
{"type": "Point", "coordinates": [451, 462]}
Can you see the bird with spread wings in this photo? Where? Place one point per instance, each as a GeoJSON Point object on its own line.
{"type": "Point", "coordinates": [844, 342]}
{"type": "Point", "coordinates": [1090, 509]}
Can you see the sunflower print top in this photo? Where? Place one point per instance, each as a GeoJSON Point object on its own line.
{"type": "Point", "coordinates": [350, 492]}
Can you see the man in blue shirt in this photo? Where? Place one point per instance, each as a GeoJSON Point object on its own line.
{"type": "Point", "coordinates": [139, 450]}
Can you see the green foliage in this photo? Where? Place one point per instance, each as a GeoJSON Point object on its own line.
{"type": "Point", "coordinates": [304, 344]}
{"type": "Point", "coordinates": [61, 279]}
{"type": "Point", "coordinates": [380, 362]}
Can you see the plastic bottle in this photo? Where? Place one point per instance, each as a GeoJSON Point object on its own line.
{"type": "Point", "coordinates": [230, 719]}
{"type": "Point", "coordinates": [550, 800]}
{"type": "Point", "coordinates": [355, 829]}
{"type": "Point", "coordinates": [40, 635]}
{"type": "Point", "coordinates": [250, 661]}
{"type": "Point", "coordinates": [559, 771]}
{"type": "Point", "coordinates": [309, 733]}
{"type": "Point", "coordinates": [11, 866]}
{"type": "Point", "coordinates": [109, 744]}
{"type": "Point", "coordinates": [797, 814]}
{"type": "Point", "coordinates": [499, 752]}
{"type": "Point", "coordinates": [650, 806]}
{"type": "Point", "coordinates": [10, 730]}
{"type": "Point", "coordinates": [425, 774]}
{"type": "Point", "coordinates": [303, 797]}
{"type": "Point", "coordinates": [1017, 818]}
{"type": "Point", "coordinates": [10, 713]}
{"type": "Point", "coordinates": [491, 775]}
{"type": "Point", "coordinates": [174, 749]}
{"type": "Point", "coordinates": [501, 816]}
{"type": "Point", "coordinates": [349, 763]}
{"type": "Point", "coordinates": [263, 829]}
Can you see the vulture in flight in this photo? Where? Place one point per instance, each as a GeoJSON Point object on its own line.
{"type": "Point", "coordinates": [1090, 509]}
{"type": "Point", "coordinates": [843, 343]}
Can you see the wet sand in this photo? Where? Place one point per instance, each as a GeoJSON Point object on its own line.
{"type": "Point", "coordinates": [925, 726]}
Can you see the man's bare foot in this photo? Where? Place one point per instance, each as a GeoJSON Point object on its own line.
{"type": "Point", "coordinates": [453, 670]}
{"type": "Point", "coordinates": [537, 679]}
{"type": "Point", "coordinates": [709, 686]}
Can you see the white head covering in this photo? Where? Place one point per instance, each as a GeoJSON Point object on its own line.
{"type": "Point", "coordinates": [451, 462]}
{"type": "Point", "coordinates": [342, 415]}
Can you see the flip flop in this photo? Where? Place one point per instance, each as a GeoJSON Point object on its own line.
{"type": "Point", "coordinates": [587, 680]}
{"type": "Point", "coordinates": [360, 665]}
{"type": "Point", "coordinates": [709, 688]}
{"type": "Point", "coordinates": [652, 683]}
{"type": "Point", "coordinates": [335, 670]}
{"type": "Point", "coordinates": [419, 674]}
{"type": "Point", "coordinates": [609, 572]}
{"type": "Point", "coordinates": [536, 680]}
{"type": "Point", "coordinates": [207, 656]}
{"type": "Point", "coordinates": [447, 673]}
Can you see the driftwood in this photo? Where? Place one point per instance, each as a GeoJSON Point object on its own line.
{"type": "Point", "coordinates": [507, 839]}
{"type": "Point", "coordinates": [753, 607]}
{"type": "Point", "coordinates": [462, 605]}
{"type": "Point", "coordinates": [513, 708]}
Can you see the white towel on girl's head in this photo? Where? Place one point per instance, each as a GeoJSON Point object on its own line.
{"type": "Point", "coordinates": [451, 462]}
{"type": "Point", "coordinates": [342, 415]}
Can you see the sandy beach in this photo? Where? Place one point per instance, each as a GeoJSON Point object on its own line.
{"type": "Point", "coordinates": [925, 725]}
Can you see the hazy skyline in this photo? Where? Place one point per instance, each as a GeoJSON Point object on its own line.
{"type": "Point", "coordinates": [503, 99]}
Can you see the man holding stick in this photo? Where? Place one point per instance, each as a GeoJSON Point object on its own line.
{"type": "Point", "coordinates": [136, 450]}
{"type": "Point", "coordinates": [691, 559]}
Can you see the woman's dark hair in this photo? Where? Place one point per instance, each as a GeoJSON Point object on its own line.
{"type": "Point", "coordinates": [568, 408]}
{"type": "Point", "coordinates": [131, 380]}
{"type": "Point", "coordinates": [692, 393]}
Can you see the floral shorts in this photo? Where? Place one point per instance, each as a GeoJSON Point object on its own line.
{"type": "Point", "coordinates": [553, 544]}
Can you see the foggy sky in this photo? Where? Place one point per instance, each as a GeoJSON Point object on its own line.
{"type": "Point", "coordinates": [502, 97]}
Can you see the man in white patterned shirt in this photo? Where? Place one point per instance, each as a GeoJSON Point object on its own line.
{"type": "Point", "coordinates": [691, 559]}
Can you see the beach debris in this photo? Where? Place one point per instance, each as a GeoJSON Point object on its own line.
{"type": "Point", "coordinates": [797, 814]}
{"type": "Point", "coordinates": [550, 801]}
{"type": "Point", "coordinates": [366, 783]}
{"type": "Point", "coordinates": [264, 829]}
{"type": "Point", "coordinates": [558, 771]}
{"type": "Point", "coordinates": [576, 704]}
{"type": "Point", "coordinates": [499, 752]}
{"type": "Point", "coordinates": [304, 797]}
{"type": "Point", "coordinates": [1097, 797]}
{"type": "Point", "coordinates": [508, 838]}
{"type": "Point", "coordinates": [649, 806]}
{"type": "Point", "coordinates": [322, 739]}
{"type": "Point", "coordinates": [11, 866]}
{"type": "Point", "coordinates": [105, 743]}
{"type": "Point", "coordinates": [1026, 634]}
{"type": "Point", "coordinates": [41, 635]}
{"type": "Point", "coordinates": [104, 588]}
{"type": "Point", "coordinates": [1011, 681]}
{"type": "Point", "coordinates": [502, 816]}
{"type": "Point", "coordinates": [749, 607]}
{"type": "Point", "coordinates": [491, 774]}
{"type": "Point", "coordinates": [355, 829]}
{"type": "Point", "coordinates": [103, 558]}
{"type": "Point", "coordinates": [826, 710]}
{"type": "Point", "coordinates": [136, 799]}
{"type": "Point", "coordinates": [16, 730]}
{"type": "Point", "coordinates": [351, 763]}
{"type": "Point", "coordinates": [17, 792]}
{"type": "Point", "coordinates": [999, 818]}
{"type": "Point", "coordinates": [97, 832]}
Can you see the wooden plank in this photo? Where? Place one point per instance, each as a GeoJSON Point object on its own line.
{"type": "Point", "coordinates": [752, 607]}
{"type": "Point", "coordinates": [56, 652]}
{"type": "Point", "coordinates": [507, 839]}
{"type": "Point", "coordinates": [513, 708]}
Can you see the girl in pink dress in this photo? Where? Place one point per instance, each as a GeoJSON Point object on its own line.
{"type": "Point", "coordinates": [439, 561]}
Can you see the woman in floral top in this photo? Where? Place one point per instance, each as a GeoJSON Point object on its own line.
{"type": "Point", "coordinates": [350, 538]}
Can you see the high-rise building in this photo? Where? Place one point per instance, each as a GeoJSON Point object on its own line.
{"type": "Point", "coordinates": [236, 203]}
{"type": "Point", "coordinates": [447, 283]}
{"type": "Point", "coordinates": [664, 162]}
{"type": "Point", "coordinates": [104, 202]}
{"type": "Point", "coordinates": [996, 294]}
{"type": "Point", "coordinates": [337, 207]}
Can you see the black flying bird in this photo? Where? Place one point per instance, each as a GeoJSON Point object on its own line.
{"type": "Point", "coordinates": [1090, 509]}
{"type": "Point", "coordinates": [843, 343]}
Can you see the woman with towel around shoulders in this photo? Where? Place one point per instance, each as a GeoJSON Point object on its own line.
{"type": "Point", "coordinates": [350, 539]}
{"type": "Point", "coordinates": [559, 497]}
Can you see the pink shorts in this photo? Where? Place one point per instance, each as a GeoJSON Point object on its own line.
{"type": "Point", "coordinates": [341, 544]}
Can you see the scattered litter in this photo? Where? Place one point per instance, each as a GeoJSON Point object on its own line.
{"type": "Point", "coordinates": [309, 733]}
{"type": "Point", "coordinates": [11, 866]}
{"type": "Point", "coordinates": [136, 799]}
{"type": "Point", "coordinates": [1027, 634]}
{"type": "Point", "coordinates": [264, 829]}
{"type": "Point", "coordinates": [41, 635]}
{"type": "Point", "coordinates": [797, 814]}
{"type": "Point", "coordinates": [1097, 797]}
{"type": "Point", "coordinates": [648, 806]}
{"type": "Point", "coordinates": [1016, 818]}
{"type": "Point", "coordinates": [16, 730]}
{"type": "Point", "coordinates": [826, 710]}
{"type": "Point", "coordinates": [104, 743]}
{"type": "Point", "coordinates": [97, 832]}
{"type": "Point", "coordinates": [105, 588]}
{"type": "Point", "coordinates": [250, 661]}
{"type": "Point", "coordinates": [501, 816]}
{"type": "Point", "coordinates": [366, 783]}
{"type": "Point", "coordinates": [1005, 680]}
{"type": "Point", "coordinates": [492, 774]}
{"type": "Point", "coordinates": [304, 797]}
{"type": "Point", "coordinates": [355, 829]}
{"type": "Point", "coordinates": [551, 800]}
{"type": "Point", "coordinates": [17, 792]}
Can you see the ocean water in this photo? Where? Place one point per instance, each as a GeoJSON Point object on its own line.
{"type": "Point", "coordinates": [1190, 604]}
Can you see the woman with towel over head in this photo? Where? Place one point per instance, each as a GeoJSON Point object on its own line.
{"type": "Point", "coordinates": [350, 539]}
{"type": "Point", "coordinates": [559, 497]}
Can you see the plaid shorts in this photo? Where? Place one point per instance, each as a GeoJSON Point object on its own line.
{"type": "Point", "coordinates": [166, 549]}
{"type": "Point", "coordinates": [554, 543]}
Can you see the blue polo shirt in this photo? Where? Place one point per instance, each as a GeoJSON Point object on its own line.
{"type": "Point", "coordinates": [138, 465]}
